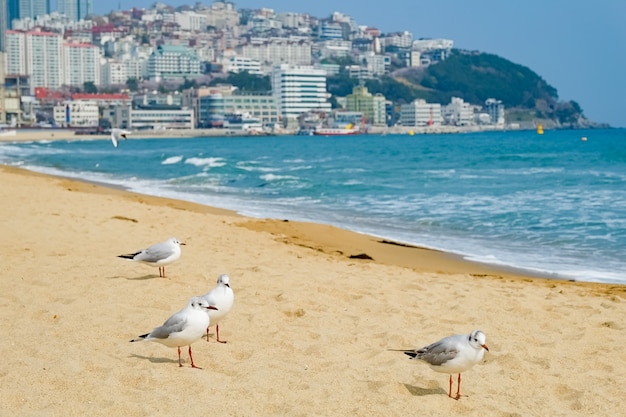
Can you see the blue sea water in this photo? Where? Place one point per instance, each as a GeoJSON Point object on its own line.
{"type": "Point", "coordinates": [551, 204]}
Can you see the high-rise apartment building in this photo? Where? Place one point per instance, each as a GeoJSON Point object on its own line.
{"type": "Point", "coordinates": [81, 62]}
{"type": "Point", "coordinates": [75, 9]}
{"type": "Point", "coordinates": [37, 54]}
{"type": "Point", "coordinates": [28, 8]}
{"type": "Point", "coordinates": [299, 89]}
{"type": "Point", "coordinates": [12, 8]}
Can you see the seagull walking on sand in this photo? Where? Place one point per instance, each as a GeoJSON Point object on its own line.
{"type": "Point", "coordinates": [453, 354]}
{"type": "Point", "coordinates": [117, 135]}
{"type": "Point", "coordinates": [222, 297]}
{"type": "Point", "coordinates": [183, 328]}
{"type": "Point", "coordinates": [159, 254]}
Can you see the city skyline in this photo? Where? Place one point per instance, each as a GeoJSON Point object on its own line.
{"type": "Point", "coordinates": [574, 47]}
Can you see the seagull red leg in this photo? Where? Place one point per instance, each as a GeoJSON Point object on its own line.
{"type": "Point", "coordinates": [207, 334]}
{"type": "Point", "coordinates": [450, 393]}
{"type": "Point", "coordinates": [180, 365]}
{"type": "Point", "coordinates": [458, 388]}
{"type": "Point", "coordinates": [193, 365]}
{"type": "Point", "coordinates": [217, 331]}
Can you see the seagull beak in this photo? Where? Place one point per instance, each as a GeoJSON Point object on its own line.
{"type": "Point", "coordinates": [485, 347]}
{"type": "Point", "coordinates": [211, 308]}
{"type": "Point", "coordinates": [183, 243]}
{"type": "Point", "coordinates": [228, 285]}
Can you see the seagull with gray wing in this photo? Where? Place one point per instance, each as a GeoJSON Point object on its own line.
{"type": "Point", "coordinates": [183, 328]}
{"type": "Point", "coordinates": [453, 355]}
{"type": "Point", "coordinates": [159, 254]}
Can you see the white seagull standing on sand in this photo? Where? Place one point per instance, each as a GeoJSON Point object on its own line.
{"type": "Point", "coordinates": [183, 328]}
{"type": "Point", "coordinates": [453, 354]}
{"type": "Point", "coordinates": [159, 254]}
{"type": "Point", "coordinates": [222, 297]}
{"type": "Point", "coordinates": [117, 134]}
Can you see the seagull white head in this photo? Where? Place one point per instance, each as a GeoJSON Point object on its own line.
{"type": "Point", "coordinates": [477, 340]}
{"type": "Point", "coordinates": [200, 303]}
{"type": "Point", "coordinates": [224, 280]}
{"type": "Point", "coordinates": [175, 241]}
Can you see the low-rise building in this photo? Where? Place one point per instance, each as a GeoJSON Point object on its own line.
{"type": "Point", "coordinates": [173, 118]}
{"type": "Point", "coordinates": [371, 106]}
{"type": "Point", "coordinates": [495, 109]}
{"type": "Point", "coordinates": [420, 113]}
{"type": "Point", "coordinates": [213, 108]}
{"type": "Point", "coordinates": [78, 113]}
{"type": "Point", "coordinates": [458, 113]}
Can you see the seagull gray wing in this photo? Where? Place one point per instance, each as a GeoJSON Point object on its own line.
{"type": "Point", "coordinates": [156, 253]}
{"type": "Point", "coordinates": [438, 353]}
{"type": "Point", "coordinates": [174, 324]}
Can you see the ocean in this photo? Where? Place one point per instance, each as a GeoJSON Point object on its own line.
{"type": "Point", "coordinates": [551, 204]}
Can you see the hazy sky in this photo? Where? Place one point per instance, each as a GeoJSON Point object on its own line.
{"type": "Point", "coordinates": [577, 46]}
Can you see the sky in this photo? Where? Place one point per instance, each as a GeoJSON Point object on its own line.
{"type": "Point", "coordinates": [577, 46]}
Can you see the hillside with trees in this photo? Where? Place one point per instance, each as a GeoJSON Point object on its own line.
{"type": "Point", "coordinates": [474, 77]}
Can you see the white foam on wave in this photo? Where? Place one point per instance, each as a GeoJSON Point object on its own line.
{"type": "Point", "coordinates": [249, 167]}
{"type": "Point", "coordinates": [274, 177]}
{"type": "Point", "coordinates": [172, 160]}
{"type": "Point", "coordinates": [206, 162]}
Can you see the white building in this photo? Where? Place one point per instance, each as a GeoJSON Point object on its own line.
{"type": "Point", "coordinates": [432, 44]}
{"type": "Point", "coordinates": [295, 20]}
{"type": "Point", "coordinates": [221, 15]}
{"type": "Point", "coordinates": [334, 48]}
{"type": "Point", "coordinates": [398, 39]}
{"type": "Point", "coordinates": [136, 68]}
{"type": "Point", "coordinates": [77, 114]}
{"type": "Point", "coordinates": [113, 72]}
{"type": "Point", "coordinates": [299, 89]}
{"type": "Point", "coordinates": [433, 50]}
{"type": "Point", "coordinates": [37, 54]}
{"type": "Point", "coordinates": [81, 64]}
{"type": "Point", "coordinates": [276, 51]}
{"type": "Point", "coordinates": [191, 21]}
{"type": "Point", "coordinates": [376, 64]}
{"type": "Point", "coordinates": [421, 113]}
{"type": "Point", "coordinates": [162, 119]}
{"type": "Point", "coordinates": [173, 61]}
{"type": "Point", "coordinates": [495, 109]}
{"type": "Point", "coordinates": [239, 64]}
{"type": "Point", "coordinates": [458, 113]}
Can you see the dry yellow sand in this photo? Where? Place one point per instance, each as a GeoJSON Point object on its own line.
{"type": "Point", "coordinates": [310, 329]}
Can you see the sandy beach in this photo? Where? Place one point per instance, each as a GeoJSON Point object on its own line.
{"type": "Point", "coordinates": [310, 330]}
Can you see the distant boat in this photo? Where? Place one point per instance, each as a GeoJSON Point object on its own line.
{"type": "Point", "coordinates": [540, 129]}
{"type": "Point", "coordinates": [336, 131]}
{"type": "Point", "coordinates": [349, 129]}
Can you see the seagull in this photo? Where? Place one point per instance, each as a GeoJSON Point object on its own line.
{"type": "Point", "coordinates": [453, 354]}
{"type": "Point", "coordinates": [222, 297]}
{"type": "Point", "coordinates": [116, 134]}
{"type": "Point", "coordinates": [160, 254]}
{"type": "Point", "coordinates": [183, 328]}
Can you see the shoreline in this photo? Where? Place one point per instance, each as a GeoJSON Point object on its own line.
{"type": "Point", "coordinates": [336, 240]}
{"type": "Point", "coordinates": [311, 329]}
{"type": "Point", "coordinates": [485, 267]}
{"type": "Point", "coordinates": [26, 135]}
